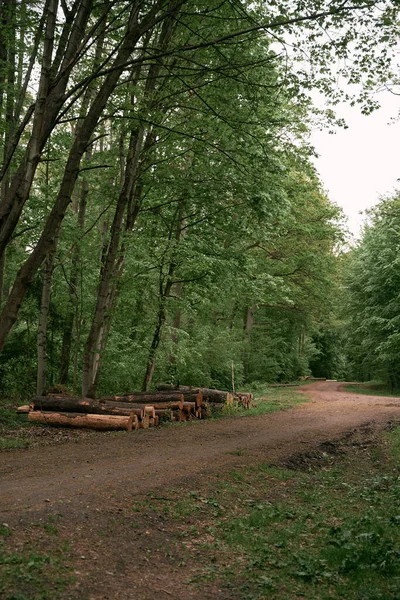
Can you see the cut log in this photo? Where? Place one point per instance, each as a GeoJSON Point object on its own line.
{"type": "Point", "coordinates": [89, 421]}
{"type": "Point", "coordinates": [145, 422]}
{"type": "Point", "coordinates": [165, 387]}
{"type": "Point", "coordinates": [149, 411]}
{"type": "Point", "coordinates": [159, 396]}
{"type": "Point", "coordinates": [163, 405]}
{"type": "Point", "coordinates": [147, 397]}
{"type": "Point", "coordinates": [205, 410]}
{"type": "Point", "coordinates": [189, 407]}
{"type": "Point", "coordinates": [244, 399]}
{"type": "Point", "coordinates": [208, 394]}
{"type": "Point", "coordinates": [83, 405]}
{"type": "Point", "coordinates": [23, 409]}
{"type": "Point", "coordinates": [164, 414]}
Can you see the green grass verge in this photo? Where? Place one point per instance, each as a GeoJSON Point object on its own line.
{"type": "Point", "coordinates": [372, 388]}
{"type": "Point", "coordinates": [268, 400]}
{"type": "Point", "coordinates": [11, 425]}
{"type": "Point", "coordinates": [331, 532]}
{"type": "Point", "coordinates": [29, 572]}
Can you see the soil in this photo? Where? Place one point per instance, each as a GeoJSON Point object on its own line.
{"type": "Point", "coordinates": [89, 486]}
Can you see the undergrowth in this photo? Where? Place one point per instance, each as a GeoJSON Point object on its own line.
{"type": "Point", "coordinates": [324, 530]}
{"type": "Point", "coordinates": [30, 573]}
{"type": "Point", "coordinates": [11, 424]}
{"type": "Point", "coordinates": [372, 388]}
{"type": "Point", "coordinates": [268, 400]}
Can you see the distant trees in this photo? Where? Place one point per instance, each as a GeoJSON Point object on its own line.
{"type": "Point", "coordinates": [374, 290]}
{"type": "Point", "coordinates": [159, 215]}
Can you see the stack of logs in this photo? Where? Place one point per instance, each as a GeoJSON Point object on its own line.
{"type": "Point", "coordinates": [139, 410]}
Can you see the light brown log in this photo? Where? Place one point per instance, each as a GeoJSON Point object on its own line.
{"type": "Point", "coordinates": [89, 421]}
{"type": "Point", "coordinates": [189, 395]}
{"type": "Point", "coordinates": [145, 422]}
{"type": "Point", "coordinates": [122, 408]}
{"type": "Point", "coordinates": [149, 411]}
{"type": "Point", "coordinates": [229, 400]}
{"type": "Point", "coordinates": [23, 409]}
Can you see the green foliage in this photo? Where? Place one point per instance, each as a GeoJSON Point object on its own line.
{"type": "Point", "coordinates": [231, 217]}
{"type": "Point", "coordinates": [30, 574]}
{"type": "Point", "coordinates": [373, 281]}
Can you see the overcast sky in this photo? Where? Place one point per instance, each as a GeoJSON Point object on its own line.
{"type": "Point", "coordinates": [360, 163]}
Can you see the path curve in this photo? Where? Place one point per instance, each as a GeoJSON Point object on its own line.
{"type": "Point", "coordinates": [135, 463]}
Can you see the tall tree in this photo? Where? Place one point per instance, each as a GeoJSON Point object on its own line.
{"type": "Point", "coordinates": [373, 282]}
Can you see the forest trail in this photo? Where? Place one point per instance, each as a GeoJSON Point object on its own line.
{"type": "Point", "coordinates": [94, 503]}
{"type": "Point", "coordinates": [78, 475]}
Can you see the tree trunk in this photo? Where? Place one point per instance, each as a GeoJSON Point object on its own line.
{"type": "Point", "coordinates": [248, 324]}
{"type": "Point", "coordinates": [79, 146]}
{"type": "Point", "coordinates": [165, 291]}
{"type": "Point", "coordinates": [93, 342]}
{"type": "Point", "coordinates": [49, 100]}
{"type": "Point", "coordinates": [128, 204]}
{"type": "Point", "coordinates": [43, 322]}
{"type": "Point", "coordinates": [73, 286]}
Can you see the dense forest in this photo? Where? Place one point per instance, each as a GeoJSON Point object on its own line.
{"type": "Point", "coordinates": [160, 215]}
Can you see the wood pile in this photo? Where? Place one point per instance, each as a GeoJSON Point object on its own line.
{"type": "Point", "coordinates": [138, 410]}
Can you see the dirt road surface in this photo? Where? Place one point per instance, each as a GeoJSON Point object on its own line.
{"type": "Point", "coordinates": [87, 483]}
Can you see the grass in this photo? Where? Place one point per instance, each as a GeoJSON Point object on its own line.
{"type": "Point", "coordinates": [326, 531]}
{"type": "Point", "coordinates": [27, 572]}
{"type": "Point", "coordinates": [372, 388]}
{"type": "Point", "coordinates": [394, 442]}
{"type": "Point", "coordinates": [268, 400]}
{"type": "Point", "coordinates": [11, 425]}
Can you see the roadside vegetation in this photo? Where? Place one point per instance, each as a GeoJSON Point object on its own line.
{"type": "Point", "coordinates": [326, 526]}
{"type": "Point", "coordinates": [31, 572]}
{"type": "Point", "coordinates": [372, 388]}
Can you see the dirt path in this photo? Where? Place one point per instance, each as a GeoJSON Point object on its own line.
{"type": "Point", "coordinates": [90, 486]}
{"type": "Point", "coordinates": [137, 463]}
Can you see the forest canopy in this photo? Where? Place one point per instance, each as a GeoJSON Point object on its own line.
{"type": "Point", "coordinates": [160, 215]}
